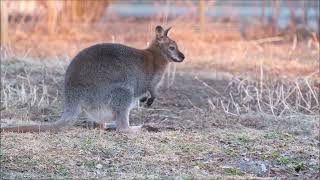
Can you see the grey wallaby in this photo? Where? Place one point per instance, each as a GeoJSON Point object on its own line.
{"type": "Point", "coordinates": [106, 80]}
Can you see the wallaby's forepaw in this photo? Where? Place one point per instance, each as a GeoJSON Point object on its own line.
{"type": "Point", "coordinates": [148, 101]}
{"type": "Point", "coordinates": [144, 99]}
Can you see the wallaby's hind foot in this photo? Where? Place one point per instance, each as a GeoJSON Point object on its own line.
{"type": "Point", "coordinates": [110, 126]}
{"type": "Point", "coordinates": [91, 125]}
{"type": "Point", "coordinates": [131, 129]}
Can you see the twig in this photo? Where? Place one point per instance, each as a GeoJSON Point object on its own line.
{"type": "Point", "coordinates": [257, 94]}
{"type": "Point", "coordinates": [311, 90]}
{"type": "Point", "coordinates": [196, 107]}
{"type": "Point", "coordinates": [300, 93]}
{"type": "Point", "coordinates": [234, 104]}
{"type": "Point", "coordinates": [267, 40]}
{"type": "Point", "coordinates": [206, 85]}
{"type": "Point", "coordinates": [270, 103]}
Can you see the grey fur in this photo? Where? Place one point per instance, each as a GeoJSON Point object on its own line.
{"type": "Point", "coordinates": [106, 80]}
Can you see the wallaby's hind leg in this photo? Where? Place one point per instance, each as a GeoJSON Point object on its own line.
{"type": "Point", "coordinates": [121, 101]}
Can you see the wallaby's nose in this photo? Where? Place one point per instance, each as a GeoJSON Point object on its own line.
{"type": "Point", "coordinates": [181, 56]}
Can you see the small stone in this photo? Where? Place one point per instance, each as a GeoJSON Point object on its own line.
{"type": "Point", "coordinates": [253, 167]}
{"type": "Point", "coordinates": [246, 159]}
{"type": "Point", "coordinates": [263, 168]}
{"type": "Point", "coordinates": [99, 166]}
{"type": "Point", "coordinates": [107, 161]}
{"type": "Point", "coordinates": [78, 163]}
{"type": "Point", "coordinates": [313, 162]}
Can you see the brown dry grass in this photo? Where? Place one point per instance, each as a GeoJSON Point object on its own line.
{"type": "Point", "coordinates": [234, 106]}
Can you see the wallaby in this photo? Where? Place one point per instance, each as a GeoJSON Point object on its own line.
{"type": "Point", "coordinates": [106, 80]}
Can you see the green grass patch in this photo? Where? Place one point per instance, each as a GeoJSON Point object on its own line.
{"type": "Point", "coordinates": [233, 172]}
{"type": "Point", "coordinates": [299, 166]}
{"type": "Point", "coordinates": [283, 160]}
{"type": "Point", "coordinates": [296, 165]}
{"type": "Point", "coordinates": [278, 136]}
{"type": "Point", "coordinates": [62, 170]}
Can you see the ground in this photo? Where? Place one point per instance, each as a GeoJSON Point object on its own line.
{"type": "Point", "coordinates": [205, 124]}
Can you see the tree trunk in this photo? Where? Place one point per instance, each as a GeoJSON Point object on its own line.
{"type": "Point", "coordinates": [293, 17]}
{"type": "Point", "coordinates": [305, 13]}
{"type": "Point", "coordinates": [275, 16]}
{"type": "Point", "coordinates": [202, 15]}
{"type": "Point", "coordinates": [4, 23]}
{"type": "Point", "coordinates": [52, 16]}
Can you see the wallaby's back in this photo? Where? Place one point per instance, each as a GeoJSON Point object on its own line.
{"type": "Point", "coordinates": [104, 64]}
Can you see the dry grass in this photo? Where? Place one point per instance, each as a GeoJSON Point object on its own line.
{"type": "Point", "coordinates": [210, 126]}
{"type": "Point", "coordinates": [234, 109]}
{"type": "Point", "coordinates": [276, 97]}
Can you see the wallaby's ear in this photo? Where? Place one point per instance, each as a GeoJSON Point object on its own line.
{"type": "Point", "coordinates": [166, 31]}
{"type": "Point", "coordinates": [159, 32]}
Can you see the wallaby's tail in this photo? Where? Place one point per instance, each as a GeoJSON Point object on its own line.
{"type": "Point", "coordinates": [54, 127]}
{"type": "Point", "coordinates": [68, 118]}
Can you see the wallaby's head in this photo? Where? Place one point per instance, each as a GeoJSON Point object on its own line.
{"type": "Point", "coordinates": [168, 47]}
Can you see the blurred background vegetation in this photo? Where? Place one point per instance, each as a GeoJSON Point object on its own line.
{"type": "Point", "coordinates": [53, 28]}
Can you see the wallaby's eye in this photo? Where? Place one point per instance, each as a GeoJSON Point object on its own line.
{"type": "Point", "coordinates": [172, 48]}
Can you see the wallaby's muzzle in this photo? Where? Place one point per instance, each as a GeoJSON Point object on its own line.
{"type": "Point", "coordinates": [180, 57]}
